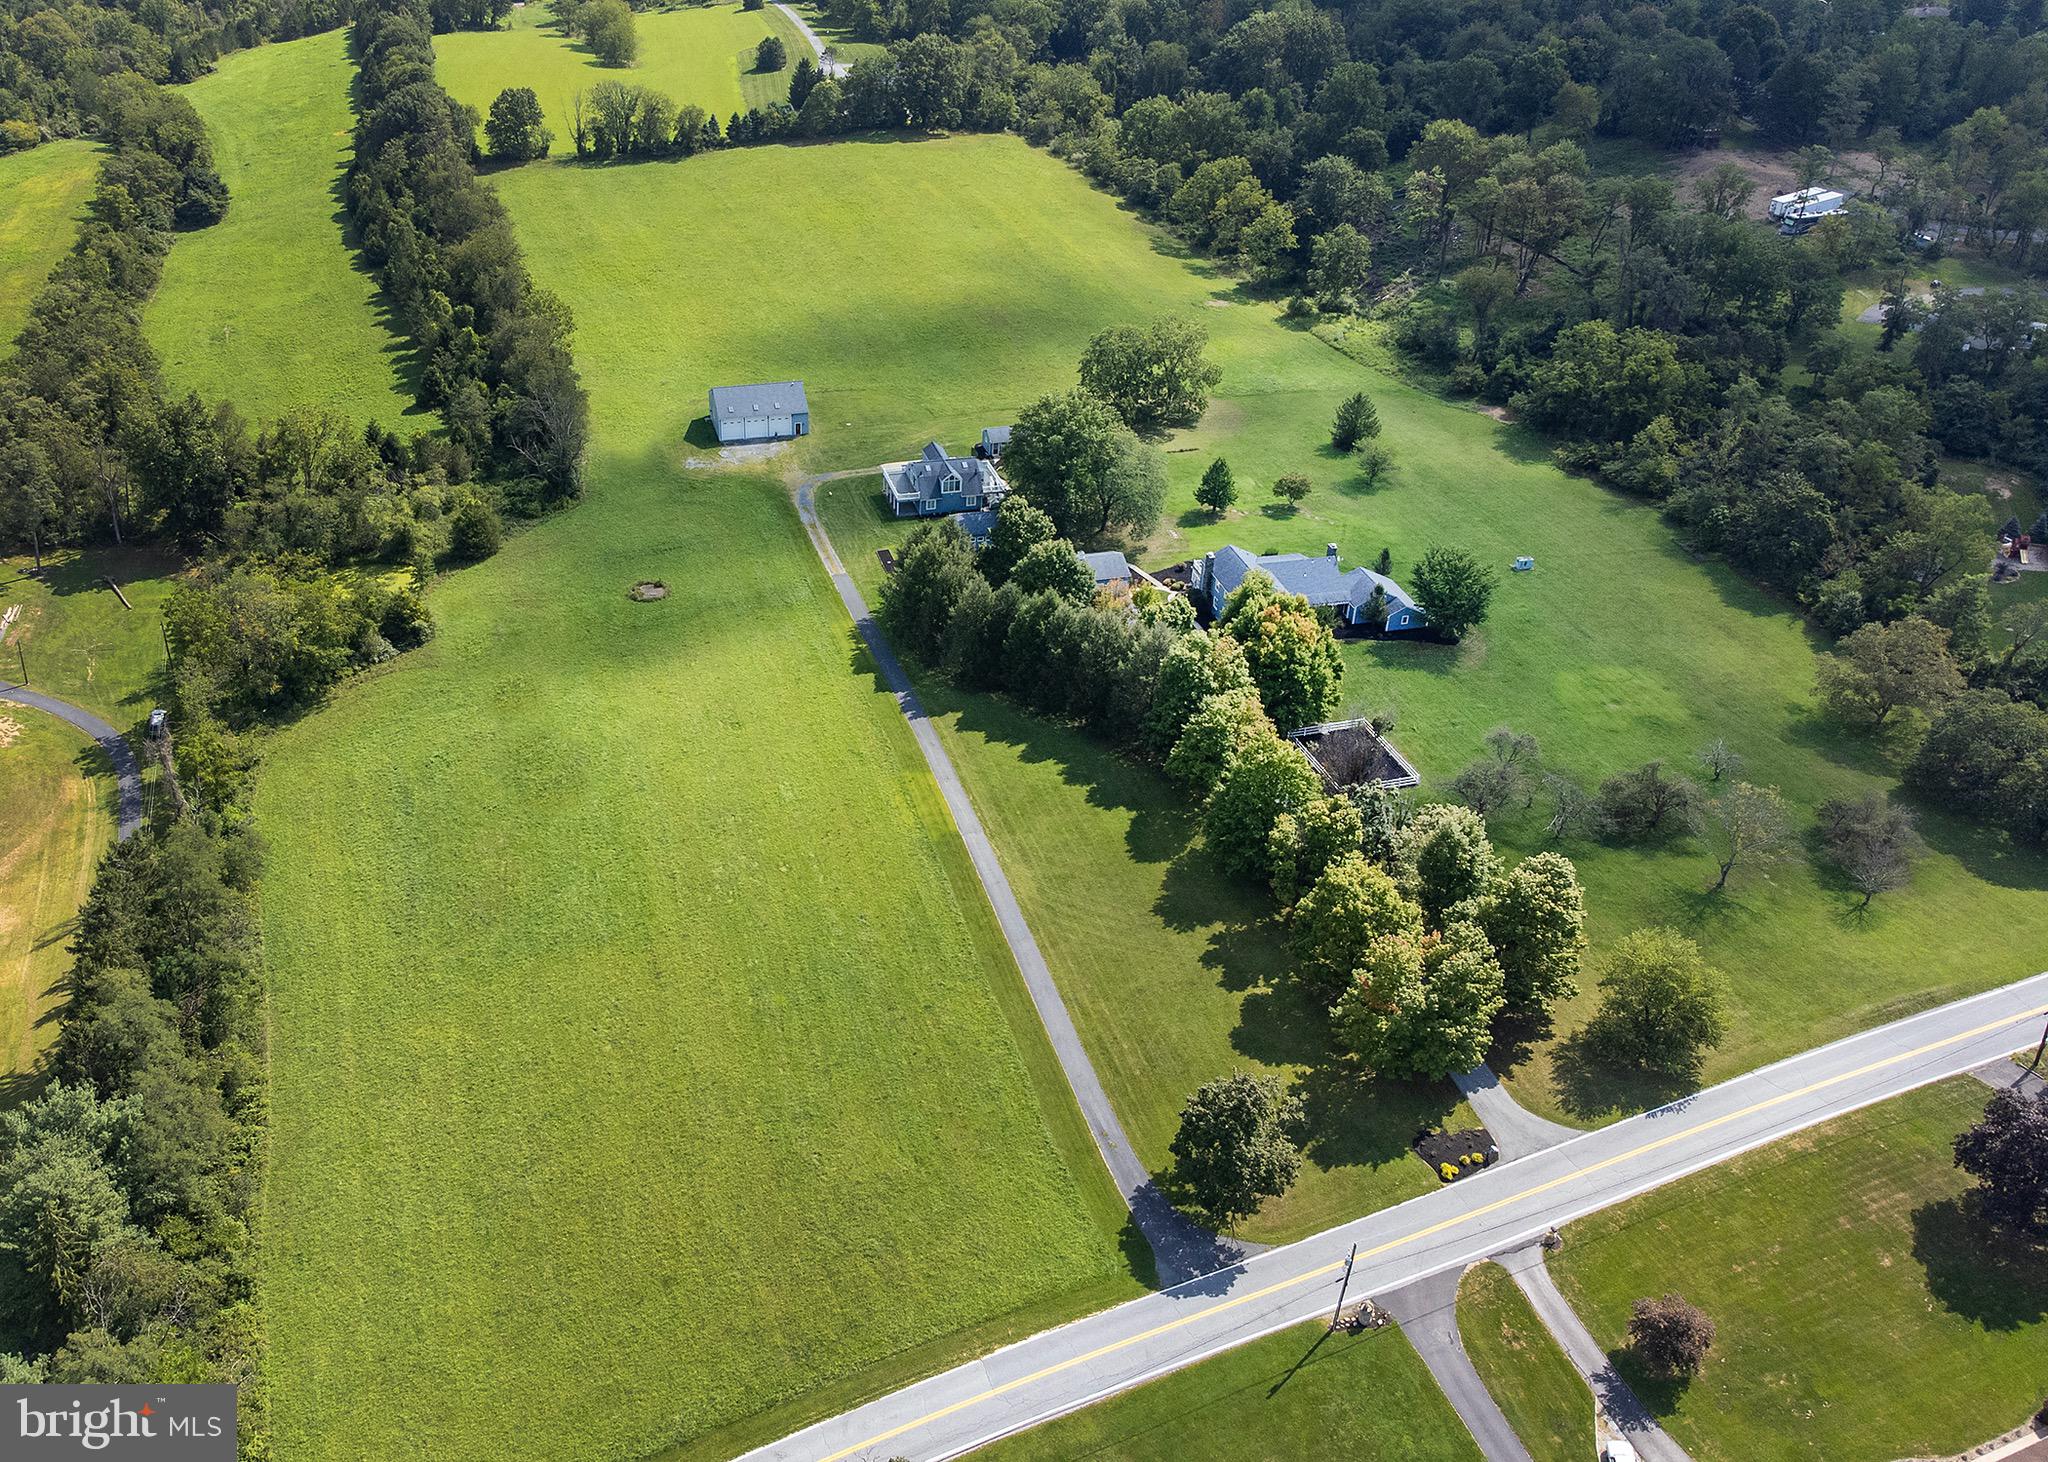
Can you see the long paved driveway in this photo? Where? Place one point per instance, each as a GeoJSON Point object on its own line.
{"type": "Point", "coordinates": [833, 69]}
{"type": "Point", "coordinates": [1180, 1248]}
{"type": "Point", "coordinates": [127, 775]}
{"type": "Point", "coordinates": [1489, 1213]}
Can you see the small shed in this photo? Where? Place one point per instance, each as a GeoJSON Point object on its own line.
{"type": "Point", "coordinates": [771, 411]}
{"type": "Point", "coordinates": [1524, 564]}
{"type": "Point", "coordinates": [994, 440]}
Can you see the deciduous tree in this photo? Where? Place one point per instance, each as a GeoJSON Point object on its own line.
{"type": "Point", "coordinates": [1750, 826]}
{"type": "Point", "coordinates": [1235, 1145]}
{"type": "Point", "coordinates": [1661, 1005]}
{"type": "Point", "coordinates": [1872, 841]}
{"type": "Point", "coordinates": [1352, 904]}
{"type": "Point", "coordinates": [1670, 1336]}
{"type": "Point", "coordinates": [1453, 589]}
{"type": "Point", "coordinates": [2006, 1151]}
{"type": "Point", "coordinates": [1882, 667]}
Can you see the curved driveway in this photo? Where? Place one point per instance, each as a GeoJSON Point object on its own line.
{"type": "Point", "coordinates": [127, 774]}
{"type": "Point", "coordinates": [1491, 1212]}
{"type": "Point", "coordinates": [833, 69]}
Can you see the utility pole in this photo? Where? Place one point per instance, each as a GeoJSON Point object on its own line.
{"type": "Point", "coordinates": [22, 655]}
{"type": "Point", "coordinates": [2035, 1064]}
{"type": "Point", "coordinates": [1342, 1289]}
{"type": "Point", "coordinates": [160, 629]}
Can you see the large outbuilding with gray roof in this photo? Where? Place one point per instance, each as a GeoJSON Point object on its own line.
{"type": "Point", "coordinates": [772, 411]}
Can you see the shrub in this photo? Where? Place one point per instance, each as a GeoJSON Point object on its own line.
{"type": "Point", "coordinates": [476, 533]}
{"type": "Point", "coordinates": [771, 54]}
{"type": "Point", "coordinates": [1671, 1336]}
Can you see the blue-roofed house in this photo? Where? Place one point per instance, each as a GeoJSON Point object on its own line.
{"type": "Point", "coordinates": [979, 525]}
{"type": "Point", "coordinates": [937, 483]}
{"type": "Point", "coordinates": [1321, 581]}
{"type": "Point", "coordinates": [994, 439]}
{"type": "Point", "coordinates": [770, 412]}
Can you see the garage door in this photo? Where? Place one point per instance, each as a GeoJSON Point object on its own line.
{"type": "Point", "coordinates": [780, 426]}
{"type": "Point", "coordinates": [755, 426]}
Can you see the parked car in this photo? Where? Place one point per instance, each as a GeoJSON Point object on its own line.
{"type": "Point", "coordinates": [159, 722]}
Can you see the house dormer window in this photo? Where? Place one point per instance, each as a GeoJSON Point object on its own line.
{"type": "Point", "coordinates": [950, 482]}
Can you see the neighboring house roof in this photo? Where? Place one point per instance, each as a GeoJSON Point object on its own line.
{"type": "Point", "coordinates": [1107, 566]}
{"type": "Point", "coordinates": [1319, 580]}
{"type": "Point", "coordinates": [995, 436]}
{"type": "Point", "coordinates": [926, 477]}
{"type": "Point", "coordinates": [770, 398]}
{"type": "Point", "coordinates": [979, 524]}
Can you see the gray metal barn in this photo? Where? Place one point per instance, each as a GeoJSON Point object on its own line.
{"type": "Point", "coordinates": [770, 412]}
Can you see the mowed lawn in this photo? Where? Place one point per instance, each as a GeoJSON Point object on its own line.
{"type": "Point", "coordinates": [56, 815]}
{"type": "Point", "coordinates": [1863, 1312]}
{"type": "Point", "coordinates": [1174, 970]}
{"type": "Point", "coordinates": [1546, 1401]}
{"type": "Point", "coordinates": [1619, 648]}
{"type": "Point", "coordinates": [74, 637]}
{"type": "Point", "coordinates": [271, 308]}
{"type": "Point", "coordinates": [1301, 1393]}
{"type": "Point", "coordinates": [701, 55]}
{"type": "Point", "coordinates": [43, 193]}
{"type": "Point", "coordinates": [644, 1054]}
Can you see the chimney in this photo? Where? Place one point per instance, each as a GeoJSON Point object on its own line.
{"type": "Point", "coordinates": [1331, 550]}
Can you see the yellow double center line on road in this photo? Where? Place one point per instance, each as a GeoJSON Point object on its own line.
{"type": "Point", "coordinates": [1423, 1233]}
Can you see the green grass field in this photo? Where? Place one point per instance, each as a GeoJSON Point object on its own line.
{"type": "Point", "coordinates": [1300, 1393]}
{"type": "Point", "coordinates": [270, 308]}
{"type": "Point", "coordinates": [1863, 1313]}
{"type": "Point", "coordinates": [1600, 652]}
{"type": "Point", "coordinates": [56, 815]}
{"type": "Point", "coordinates": [662, 1062]}
{"type": "Point", "coordinates": [43, 193]}
{"type": "Point", "coordinates": [1545, 1400]}
{"type": "Point", "coordinates": [693, 54]}
{"type": "Point", "coordinates": [73, 636]}
{"type": "Point", "coordinates": [1172, 968]}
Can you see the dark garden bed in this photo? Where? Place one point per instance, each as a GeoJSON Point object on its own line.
{"type": "Point", "coordinates": [1455, 1155]}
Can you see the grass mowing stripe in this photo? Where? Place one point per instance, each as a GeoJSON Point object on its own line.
{"type": "Point", "coordinates": [1300, 1392]}
{"type": "Point", "coordinates": [43, 193]}
{"type": "Point", "coordinates": [1862, 1309]}
{"type": "Point", "coordinates": [1546, 1401]}
{"type": "Point", "coordinates": [701, 55]}
{"type": "Point", "coordinates": [270, 308]}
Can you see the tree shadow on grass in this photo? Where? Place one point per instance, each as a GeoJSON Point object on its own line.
{"type": "Point", "coordinates": [1591, 1085]}
{"type": "Point", "coordinates": [1988, 1276]}
{"type": "Point", "coordinates": [1653, 1393]}
{"type": "Point", "coordinates": [1355, 1120]}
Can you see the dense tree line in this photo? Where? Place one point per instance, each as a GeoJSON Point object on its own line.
{"type": "Point", "coordinates": [128, 1185]}
{"type": "Point", "coordinates": [58, 61]}
{"type": "Point", "coordinates": [495, 346]}
{"type": "Point", "coordinates": [1403, 922]}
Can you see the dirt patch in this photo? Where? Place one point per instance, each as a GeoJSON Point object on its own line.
{"type": "Point", "coordinates": [10, 731]}
{"type": "Point", "coordinates": [647, 591]}
{"type": "Point", "coordinates": [1774, 171]}
{"type": "Point", "coordinates": [1498, 413]}
{"type": "Point", "coordinates": [746, 456]}
{"type": "Point", "coordinates": [1217, 304]}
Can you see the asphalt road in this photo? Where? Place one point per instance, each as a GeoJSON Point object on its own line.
{"type": "Point", "coordinates": [1618, 1400]}
{"type": "Point", "coordinates": [127, 775]}
{"type": "Point", "coordinates": [1491, 1212]}
{"type": "Point", "coordinates": [1428, 1312]}
{"type": "Point", "coordinates": [833, 69]}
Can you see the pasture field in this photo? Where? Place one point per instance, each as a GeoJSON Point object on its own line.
{"type": "Point", "coordinates": [43, 193]}
{"type": "Point", "coordinates": [271, 308]}
{"type": "Point", "coordinates": [693, 54]}
{"type": "Point", "coordinates": [56, 817]}
{"type": "Point", "coordinates": [73, 636]}
{"type": "Point", "coordinates": [1173, 969]}
{"type": "Point", "coordinates": [659, 1061]}
{"type": "Point", "coordinates": [1863, 1312]}
{"type": "Point", "coordinates": [1547, 1402]}
{"type": "Point", "coordinates": [1300, 1393]}
{"type": "Point", "coordinates": [1619, 648]}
